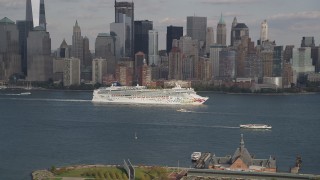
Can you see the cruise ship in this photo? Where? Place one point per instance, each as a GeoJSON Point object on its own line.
{"type": "Point", "coordinates": [142, 95]}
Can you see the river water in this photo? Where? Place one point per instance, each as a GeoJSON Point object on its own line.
{"type": "Point", "coordinates": [64, 128]}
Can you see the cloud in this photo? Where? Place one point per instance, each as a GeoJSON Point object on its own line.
{"type": "Point", "coordinates": [298, 15]}
{"type": "Point", "coordinates": [228, 2]}
{"type": "Point", "coordinates": [13, 4]}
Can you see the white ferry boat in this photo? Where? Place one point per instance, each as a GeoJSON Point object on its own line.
{"type": "Point", "coordinates": [142, 95]}
{"type": "Point", "coordinates": [255, 126]}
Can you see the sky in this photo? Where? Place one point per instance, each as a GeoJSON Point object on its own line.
{"type": "Point", "coordinates": [288, 20]}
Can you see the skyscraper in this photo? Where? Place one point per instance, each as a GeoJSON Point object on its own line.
{"type": "Point", "coordinates": [40, 64]}
{"type": "Point", "coordinates": [124, 13]}
{"type": "Point", "coordinates": [10, 60]}
{"type": "Point", "coordinates": [86, 52]}
{"type": "Point", "coordinates": [237, 32]}
{"type": "Point", "coordinates": [24, 27]}
{"type": "Point", "coordinates": [153, 47]}
{"type": "Point", "coordinates": [234, 23]}
{"type": "Point", "coordinates": [209, 39]}
{"type": "Point", "coordinates": [29, 16]}
{"type": "Point", "coordinates": [214, 58]}
{"type": "Point", "coordinates": [173, 32]}
{"type": "Point", "coordinates": [105, 49]}
{"type": "Point", "coordinates": [221, 32]}
{"type": "Point", "coordinates": [141, 36]}
{"type": "Point", "coordinates": [77, 43]}
{"type": "Point", "coordinates": [42, 15]}
{"type": "Point", "coordinates": [64, 51]}
{"type": "Point", "coordinates": [196, 28]}
{"type": "Point", "coordinates": [307, 42]}
{"type": "Point", "coordinates": [264, 31]}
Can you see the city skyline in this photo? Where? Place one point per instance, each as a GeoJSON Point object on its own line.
{"type": "Point", "coordinates": [294, 16]}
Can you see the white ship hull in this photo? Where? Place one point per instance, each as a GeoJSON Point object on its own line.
{"type": "Point", "coordinates": [141, 95]}
{"type": "Point", "coordinates": [255, 126]}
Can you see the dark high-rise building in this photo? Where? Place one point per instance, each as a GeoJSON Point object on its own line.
{"type": "Point", "coordinates": [42, 15]}
{"type": "Point", "coordinates": [221, 32]}
{"type": "Point", "coordinates": [173, 32]}
{"type": "Point", "coordinates": [124, 13]}
{"type": "Point", "coordinates": [307, 42]}
{"type": "Point", "coordinates": [141, 39]}
{"type": "Point", "coordinates": [277, 61]}
{"type": "Point", "coordinates": [87, 60]}
{"type": "Point", "coordinates": [24, 27]}
{"type": "Point", "coordinates": [197, 28]}
{"type": "Point", "coordinates": [315, 55]}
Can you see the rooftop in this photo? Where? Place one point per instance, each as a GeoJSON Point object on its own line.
{"type": "Point", "coordinates": [6, 20]}
{"type": "Point", "coordinates": [241, 25]}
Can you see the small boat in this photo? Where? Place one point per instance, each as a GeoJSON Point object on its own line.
{"type": "Point", "coordinates": [195, 156]}
{"type": "Point", "coordinates": [255, 126]}
{"type": "Point", "coordinates": [25, 93]}
{"type": "Point", "coordinates": [182, 110]}
{"type": "Point", "coordinates": [135, 136]}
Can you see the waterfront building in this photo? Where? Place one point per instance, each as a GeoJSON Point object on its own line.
{"type": "Point", "coordinates": [141, 36]}
{"type": "Point", "coordinates": [58, 68]}
{"type": "Point", "coordinates": [214, 59]}
{"type": "Point", "coordinates": [40, 63]}
{"type": "Point", "coordinates": [24, 27]}
{"type": "Point", "coordinates": [10, 59]}
{"type": "Point", "coordinates": [227, 65]}
{"type": "Point", "coordinates": [173, 32]}
{"type": "Point", "coordinates": [42, 15]}
{"type": "Point", "coordinates": [124, 73]}
{"type": "Point", "coordinates": [209, 39]}
{"type": "Point", "coordinates": [302, 64]}
{"type": "Point", "coordinates": [99, 69]}
{"type": "Point", "coordinates": [124, 13]}
{"type": "Point", "coordinates": [222, 32]}
{"type": "Point", "coordinates": [64, 51]}
{"type": "Point", "coordinates": [153, 55]}
{"type": "Point", "coordinates": [264, 31]}
{"type": "Point", "coordinates": [307, 42]}
{"type": "Point", "coordinates": [242, 160]}
{"type": "Point", "coordinates": [197, 27]}
{"type": "Point", "coordinates": [71, 72]}
{"type": "Point", "coordinates": [77, 43]}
